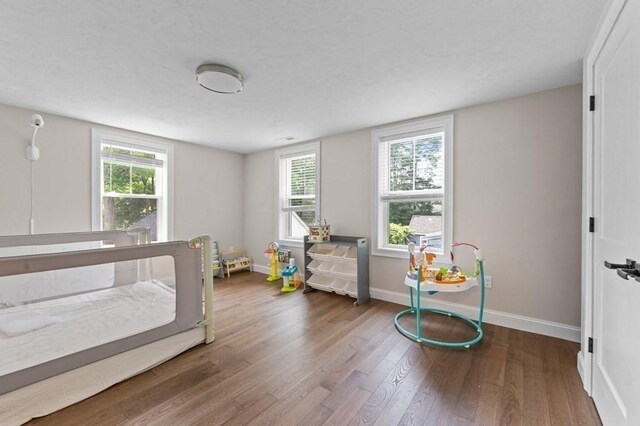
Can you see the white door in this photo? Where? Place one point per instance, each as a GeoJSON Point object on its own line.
{"type": "Point", "coordinates": [616, 197]}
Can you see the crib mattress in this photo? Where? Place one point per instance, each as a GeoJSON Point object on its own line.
{"type": "Point", "coordinates": [86, 320]}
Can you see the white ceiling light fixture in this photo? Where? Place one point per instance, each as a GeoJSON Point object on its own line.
{"type": "Point", "coordinates": [219, 78]}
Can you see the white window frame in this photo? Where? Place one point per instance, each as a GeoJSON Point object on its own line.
{"type": "Point", "coordinates": [165, 209]}
{"type": "Point", "coordinates": [281, 215]}
{"type": "Point", "coordinates": [379, 222]}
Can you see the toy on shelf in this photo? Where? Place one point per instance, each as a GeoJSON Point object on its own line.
{"type": "Point", "coordinates": [235, 261]}
{"type": "Point", "coordinates": [319, 233]}
{"type": "Point", "coordinates": [423, 278]}
{"type": "Point", "coordinates": [288, 274]}
{"type": "Point", "coordinates": [271, 252]}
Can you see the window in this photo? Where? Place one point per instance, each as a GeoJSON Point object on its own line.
{"type": "Point", "coordinates": [132, 184]}
{"type": "Point", "coordinates": [413, 186]}
{"type": "Point", "coordinates": [299, 186]}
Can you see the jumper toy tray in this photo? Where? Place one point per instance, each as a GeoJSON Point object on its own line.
{"type": "Point", "coordinates": [428, 285]}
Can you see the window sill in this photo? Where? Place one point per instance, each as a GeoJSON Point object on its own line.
{"type": "Point", "coordinates": [291, 243]}
{"type": "Point", "coordinates": [401, 253]}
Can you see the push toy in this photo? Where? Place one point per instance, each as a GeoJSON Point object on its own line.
{"type": "Point", "coordinates": [288, 274]}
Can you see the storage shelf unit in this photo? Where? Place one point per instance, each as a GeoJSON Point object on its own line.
{"type": "Point", "coordinates": [216, 264]}
{"type": "Point", "coordinates": [340, 266]}
{"type": "Point", "coordinates": [235, 261]}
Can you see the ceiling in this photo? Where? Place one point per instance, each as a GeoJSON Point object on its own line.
{"type": "Point", "coordinates": [311, 68]}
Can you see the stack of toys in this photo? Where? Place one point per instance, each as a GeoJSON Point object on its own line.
{"type": "Point", "coordinates": [420, 266]}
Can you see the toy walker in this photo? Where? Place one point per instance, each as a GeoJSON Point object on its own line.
{"type": "Point", "coordinates": [288, 282]}
{"type": "Point", "coordinates": [421, 277]}
{"type": "Point", "coordinates": [271, 252]}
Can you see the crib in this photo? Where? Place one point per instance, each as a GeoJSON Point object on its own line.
{"type": "Point", "coordinates": [80, 312]}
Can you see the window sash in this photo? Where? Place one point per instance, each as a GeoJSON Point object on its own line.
{"type": "Point", "coordinates": [130, 160]}
{"type": "Point", "coordinates": [385, 157]}
{"type": "Point", "coordinates": [307, 192]}
{"type": "Point", "coordinates": [382, 140]}
{"type": "Point", "coordinates": [413, 196]}
{"type": "Point", "coordinates": [125, 195]}
{"type": "Point", "coordinates": [162, 164]}
{"type": "Point", "coordinates": [298, 209]}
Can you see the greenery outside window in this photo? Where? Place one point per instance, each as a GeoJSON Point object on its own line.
{"type": "Point", "coordinates": [298, 188]}
{"type": "Point", "coordinates": [413, 181]}
{"type": "Point", "coordinates": [131, 184]}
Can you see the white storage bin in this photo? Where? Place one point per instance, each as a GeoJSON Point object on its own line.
{"type": "Point", "coordinates": [313, 266]}
{"type": "Point", "coordinates": [351, 288]}
{"type": "Point", "coordinates": [339, 252]}
{"type": "Point", "coordinates": [351, 254]}
{"type": "Point", "coordinates": [325, 267]}
{"type": "Point", "coordinates": [320, 282]}
{"type": "Point", "coordinates": [339, 286]}
{"type": "Point", "coordinates": [321, 251]}
{"type": "Point", "coordinates": [346, 270]}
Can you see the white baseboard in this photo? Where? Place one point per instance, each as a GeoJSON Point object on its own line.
{"type": "Point", "coordinates": [581, 366]}
{"type": "Point", "coordinates": [504, 319]}
{"type": "Point", "coordinates": [263, 269]}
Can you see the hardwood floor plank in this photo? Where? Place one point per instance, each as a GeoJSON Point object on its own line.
{"type": "Point", "coordinates": [489, 404]}
{"type": "Point", "coordinates": [405, 391]}
{"type": "Point", "coordinates": [535, 408]}
{"type": "Point", "coordinates": [447, 394]}
{"type": "Point", "coordinates": [374, 406]}
{"type": "Point", "coordinates": [293, 411]}
{"type": "Point", "coordinates": [557, 399]}
{"type": "Point", "coordinates": [317, 416]}
{"type": "Point", "coordinates": [581, 406]}
{"type": "Point", "coordinates": [349, 407]}
{"type": "Point", "coordinates": [344, 389]}
{"type": "Point", "coordinates": [252, 411]}
{"type": "Point", "coordinates": [511, 412]}
{"type": "Point", "coordinates": [314, 358]}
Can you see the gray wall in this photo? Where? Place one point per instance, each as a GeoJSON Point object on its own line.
{"type": "Point", "coordinates": [517, 185]}
{"type": "Point", "coordinates": [208, 183]}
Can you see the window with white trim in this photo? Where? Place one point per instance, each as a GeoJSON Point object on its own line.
{"type": "Point", "coordinates": [131, 184]}
{"type": "Point", "coordinates": [298, 191]}
{"type": "Point", "coordinates": [413, 186]}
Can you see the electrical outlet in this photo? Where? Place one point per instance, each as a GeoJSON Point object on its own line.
{"type": "Point", "coordinates": [488, 281]}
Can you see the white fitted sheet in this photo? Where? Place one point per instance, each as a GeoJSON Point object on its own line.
{"type": "Point", "coordinates": [87, 320]}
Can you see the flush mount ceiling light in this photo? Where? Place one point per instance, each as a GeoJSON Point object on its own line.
{"type": "Point", "coordinates": [219, 78]}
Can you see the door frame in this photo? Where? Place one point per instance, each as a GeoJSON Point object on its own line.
{"type": "Point", "coordinates": [605, 26]}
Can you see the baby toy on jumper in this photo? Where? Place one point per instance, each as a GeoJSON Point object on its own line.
{"type": "Point", "coordinates": [420, 265]}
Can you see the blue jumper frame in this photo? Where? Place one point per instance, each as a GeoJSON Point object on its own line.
{"type": "Point", "coordinates": [417, 310]}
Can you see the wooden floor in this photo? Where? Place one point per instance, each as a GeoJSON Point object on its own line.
{"type": "Point", "coordinates": [316, 359]}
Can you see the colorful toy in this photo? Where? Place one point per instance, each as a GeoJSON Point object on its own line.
{"type": "Point", "coordinates": [297, 282]}
{"type": "Point", "coordinates": [420, 282]}
{"type": "Point", "coordinates": [319, 233]}
{"type": "Point", "coordinates": [288, 277]}
{"type": "Point", "coordinates": [284, 255]}
{"type": "Point", "coordinates": [271, 252]}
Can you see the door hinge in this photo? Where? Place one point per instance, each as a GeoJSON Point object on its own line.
{"type": "Point", "coordinates": [590, 345]}
{"type": "Point", "coordinates": [592, 103]}
{"type": "Point", "coordinates": [592, 224]}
